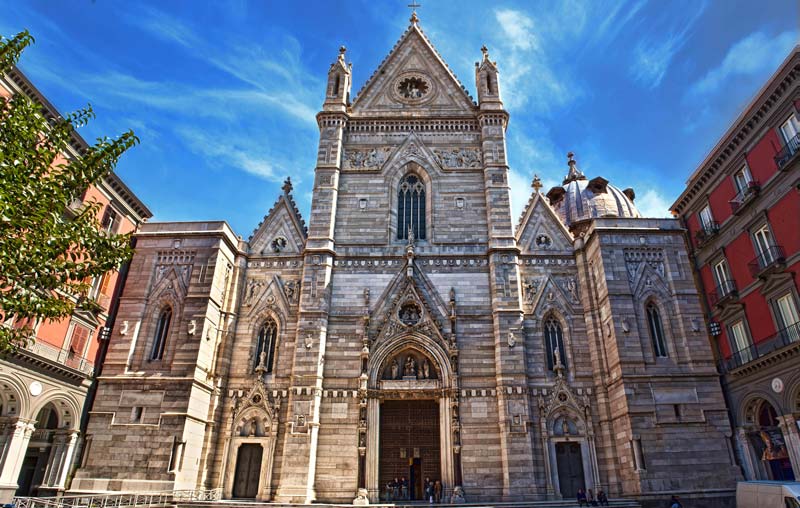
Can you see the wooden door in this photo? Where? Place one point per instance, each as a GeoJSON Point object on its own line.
{"type": "Point", "coordinates": [248, 471]}
{"type": "Point", "coordinates": [570, 469]}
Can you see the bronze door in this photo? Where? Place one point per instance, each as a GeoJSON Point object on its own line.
{"type": "Point", "coordinates": [409, 446]}
{"type": "Point", "coordinates": [248, 470]}
{"type": "Point", "coordinates": [570, 469]}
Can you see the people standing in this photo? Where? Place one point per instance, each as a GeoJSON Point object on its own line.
{"type": "Point", "coordinates": [404, 488]}
{"type": "Point", "coordinates": [437, 492]}
{"type": "Point", "coordinates": [396, 489]}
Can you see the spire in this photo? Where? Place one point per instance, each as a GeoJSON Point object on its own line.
{"type": "Point", "coordinates": [574, 173]}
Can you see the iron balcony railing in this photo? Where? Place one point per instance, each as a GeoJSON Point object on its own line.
{"type": "Point", "coordinates": [745, 195]}
{"type": "Point", "coordinates": [785, 337]}
{"type": "Point", "coordinates": [766, 260]}
{"type": "Point", "coordinates": [788, 151]}
{"type": "Point", "coordinates": [119, 499]}
{"type": "Point", "coordinates": [706, 231]}
{"type": "Point", "coordinates": [62, 356]}
{"type": "Point", "coordinates": [725, 291]}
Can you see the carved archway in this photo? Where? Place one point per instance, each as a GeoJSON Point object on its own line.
{"type": "Point", "coordinates": [253, 422]}
{"type": "Point", "coordinates": [409, 382]}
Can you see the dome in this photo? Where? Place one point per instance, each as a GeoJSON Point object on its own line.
{"type": "Point", "coordinates": [579, 199]}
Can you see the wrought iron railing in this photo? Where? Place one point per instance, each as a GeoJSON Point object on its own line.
{"type": "Point", "coordinates": [706, 231]}
{"type": "Point", "coordinates": [745, 195]}
{"type": "Point", "coordinates": [119, 499]}
{"type": "Point", "coordinates": [784, 337]}
{"type": "Point", "coordinates": [767, 258]}
{"type": "Point", "coordinates": [726, 289]}
{"type": "Point", "coordinates": [788, 151]}
{"type": "Point", "coordinates": [61, 356]}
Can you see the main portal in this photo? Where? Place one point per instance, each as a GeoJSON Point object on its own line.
{"type": "Point", "coordinates": [409, 445]}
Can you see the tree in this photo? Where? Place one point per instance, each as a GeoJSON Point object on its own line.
{"type": "Point", "coordinates": [51, 243]}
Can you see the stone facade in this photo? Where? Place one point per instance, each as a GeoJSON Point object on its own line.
{"type": "Point", "coordinates": [524, 351]}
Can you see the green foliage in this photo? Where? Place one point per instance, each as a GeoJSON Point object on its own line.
{"type": "Point", "coordinates": [51, 243]}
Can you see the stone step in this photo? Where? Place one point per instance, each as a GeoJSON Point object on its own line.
{"type": "Point", "coordinates": [564, 503]}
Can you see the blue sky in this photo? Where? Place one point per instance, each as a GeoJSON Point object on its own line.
{"type": "Point", "coordinates": [223, 94]}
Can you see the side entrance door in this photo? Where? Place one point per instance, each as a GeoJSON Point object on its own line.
{"type": "Point", "coordinates": [248, 471]}
{"type": "Point", "coordinates": [570, 469]}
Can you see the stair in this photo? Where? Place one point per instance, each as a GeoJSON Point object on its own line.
{"type": "Point", "coordinates": [564, 503]}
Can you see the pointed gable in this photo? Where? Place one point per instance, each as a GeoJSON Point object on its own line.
{"type": "Point", "coordinates": [540, 230]}
{"type": "Point", "coordinates": [413, 77]}
{"type": "Point", "coordinates": [283, 230]}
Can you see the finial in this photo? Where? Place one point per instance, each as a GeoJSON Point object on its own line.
{"type": "Point", "coordinates": [287, 185]}
{"type": "Point", "coordinates": [414, 18]}
{"type": "Point", "coordinates": [485, 52]}
{"type": "Point", "coordinates": [574, 173]}
{"type": "Point", "coordinates": [342, 50]}
{"type": "Point", "coordinates": [536, 184]}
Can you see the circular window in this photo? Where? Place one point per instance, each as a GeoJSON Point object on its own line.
{"type": "Point", "coordinates": [413, 88]}
{"type": "Point", "coordinates": [410, 314]}
{"type": "Point", "coordinates": [278, 244]}
{"type": "Point", "coordinates": [543, 241]}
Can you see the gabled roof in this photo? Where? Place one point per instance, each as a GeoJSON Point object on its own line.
{"type": "Point", "coordinates": [412, 32]}
{"type": "Point", "coordinates": [284, 215]}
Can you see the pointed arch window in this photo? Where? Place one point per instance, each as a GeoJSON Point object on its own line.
{"type": "Point", "coordinates": [160, 336]}
{"type": "Point", "coordinates": [411, 207]}
{"type": "Point", "coordinates": [554, 341]}
{"type": "Point", "coordinates": [267, 337]}
{"type": "Point", "coordinates": [656, 329]}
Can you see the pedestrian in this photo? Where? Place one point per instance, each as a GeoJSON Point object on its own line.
{"type": "Point", "coordinates": [602, 499]}
{"type": "Point", "coordinates": [591, 499]}
{"type": "Point", "coordinates": [674, 502]}
{"type": "Point", "coordinates": [437, 492]}
{"type": "Point", "coordinates": [582, 498]}
{"type": "Point", "coordinates": [429, 490]}
{"type": "Point", "coordinates": [396, 489]}
{"type": "Point", "coordinates": [404, 487]}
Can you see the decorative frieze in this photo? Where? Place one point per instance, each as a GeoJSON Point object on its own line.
{"type": "Point", "coordinates": [458, 157]}
{"type": "Point", "coordinates": [366, 158]}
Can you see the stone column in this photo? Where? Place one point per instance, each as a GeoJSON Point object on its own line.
{"type": "Point", "coordinates": [746, 454]}
{"type": "Point", "coordinates": [12, 460]}
{"type": "Point", "coordinates": [373, 448]}
{"type": "Point", "coordinates": [788, 426]}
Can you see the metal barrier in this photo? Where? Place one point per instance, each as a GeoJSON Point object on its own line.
{"type": "Point", "coordinates": [119, 499]}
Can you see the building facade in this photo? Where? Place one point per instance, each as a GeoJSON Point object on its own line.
{"type": "Point", "coordinates": [411, 331]}
{"type": "Point", "coordinates": [44, 385]}
{"type": "Point", "coordinates": [741, 208]}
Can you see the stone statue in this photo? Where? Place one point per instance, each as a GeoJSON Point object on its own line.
{"type": "Point", "coordinates": [262, 359]}
{"type": "Point", "coordinates": [395, 369]}
{"type": "Point", "coordinates": [410, 367]}
{"type": "Point", "coordinates": [426, 369]}
{"type": "Point", "coordinates": [253, 428]}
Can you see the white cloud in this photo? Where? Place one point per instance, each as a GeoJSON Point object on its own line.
{"type": "Point", "coordinates": [755, 54]}
{"type": "Point", "coordinates": [653, 204]}
{"type": "Point", "coordinates": [518, 28]}
{"type": "Point", "coordinates": [653, 55]}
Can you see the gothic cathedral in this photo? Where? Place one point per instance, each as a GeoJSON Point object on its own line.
{"type": "Point", "coordinates": [411, 330]}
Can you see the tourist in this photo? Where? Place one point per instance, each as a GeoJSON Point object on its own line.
{"type": "Point", "coordinates": [582, 498]}
{"type": "Point", "coordinates": [389, 489]}
{"type": "Point", "coordinates": [437, 491]}
{"type": "Point", "coordinates": [429, 490]}
{"type": "Point", "coordinates": [602, 499]}
{"type": "Point", "coordinates": [590, 498]}
{"type": "Point", "coordinates": [674, 502]}
{"type": "Point", "coordinates": [404, 487]}
{"type": "Point", "coordinates": [396, 489]}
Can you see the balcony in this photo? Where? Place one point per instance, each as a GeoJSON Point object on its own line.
{"type": "Point", "coordinates": [788, 336]}
{"type": "Point", "coordinates": [788, 152]}
{"type": "Point", "coordinates": [726, 292]}
{"type": "Point", "coordinates": [58, 355]}
{"type": "Point", "coordinates": [706, 232]}
{"type": "Point", "coordinates": [744, 197]}
{"type": "Point", "coordinates": [767, 262]}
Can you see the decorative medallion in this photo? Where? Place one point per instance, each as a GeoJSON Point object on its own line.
{"type": "Point", "coordinates": [777, 385]}
{"type": "Point", "coordinates": [543, 241]}
{"type": "Point", "coordinates": [278, 244]}
{"type": "Point", "coordinates": [36, 388]}
{"type": "Point", "coordinates": [413, 88]}
{"type": "Point", "coordinates": [410, 314]}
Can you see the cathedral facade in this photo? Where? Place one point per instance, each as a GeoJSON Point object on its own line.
{"type": "Point", "coordinates": [412, 330]}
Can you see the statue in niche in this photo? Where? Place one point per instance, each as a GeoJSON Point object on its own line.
{"type": "Point", "coordinates": [253, 428]}
{"type": "Point", "coordinates": [410, 368]}
{"type": "Point", "coordinates": [426, 369]}
{"type": "Point", "coordinates": [395, 369]}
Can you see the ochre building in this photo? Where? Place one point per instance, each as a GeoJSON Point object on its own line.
{"type": "Point", "coordinates": [413, 329]}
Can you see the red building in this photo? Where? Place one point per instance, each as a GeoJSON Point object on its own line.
{"type": "Point", "coordinates": [741, 208]}
{"type": "Point", "coordinates": [44, 386]}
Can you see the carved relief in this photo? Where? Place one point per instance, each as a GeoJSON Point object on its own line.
{"type": "Point", "coordinates": [368, 158]}
{"type": "Point", "coordinates": [635, 257]}
{"type": "Point", "coordinates": [409, 365]}
{"type": "Point", "coordinates": [252, 289]}
{"type": "Point", "coordinates": [458, 157]}
{"type": "Point", "coordinates": [291, 288]}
